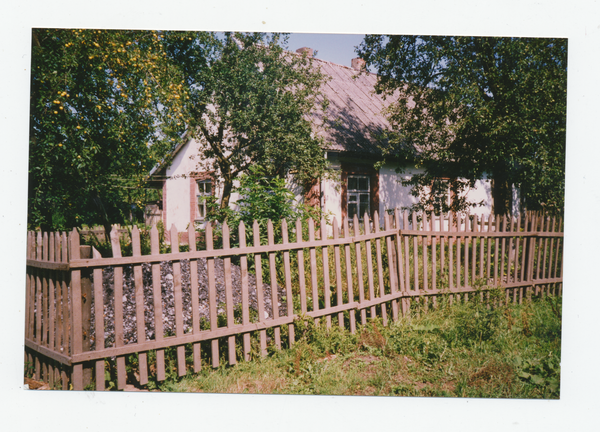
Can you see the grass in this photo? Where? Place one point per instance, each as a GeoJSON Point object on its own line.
{"type": "Point", "coordinates": [459, 350]}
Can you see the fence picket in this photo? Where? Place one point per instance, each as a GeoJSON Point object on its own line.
{"type": "Point", "coordinates": [338, 273]}
{"type": "Point", "coordinates": [245, 300]}
{"type": "Point", "coordinates": [369, 259]}
{"type": "Point", "coordinates": [196, 348]}
{"type": "Point", "coordinates": [326, 280]}
{"type": "Point", "coordinates": [301, 273]}
{"type": "Point", "coordinates": [139, 305]}
{"type": "Point", "coordinates": [99, 314]}
{"type": "Point", "coordinates": [118, 299]}
{"type": "Point", "coordinates": [313, 267]}
{"type": "Point", "coordinates": [359, 273]}
{"type": "Point", "coordinates": [228, 296]}
{"type": "Point", "coordinates": [56, 275]}
{"type": "Point", "coordinates": [274, 287]}
{"type": "Point", "coordinates": [157, 296]}
{"type": "Point", "coordinates": [381, 286]}
{"type": "Point", "coordinates": [392, 262]}
{"type": "Point", "coordinates": [349, 277]}
{"type": "Point", "coordinates": [288, 281]}
{"type": "Point", "coordinates": [76, 329]}
{"type": "Point", "coordinates": [259, 289]}
{"type": "Point", "coordinates": [212, 296]}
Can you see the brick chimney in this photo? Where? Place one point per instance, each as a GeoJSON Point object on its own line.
{"type": "Point", "coordinates": [358, 64]}
{"type": "Point", "coordinates": [309, 51]}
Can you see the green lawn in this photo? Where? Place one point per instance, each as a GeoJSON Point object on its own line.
{"type": "Point", "coordinates": [456, 350]}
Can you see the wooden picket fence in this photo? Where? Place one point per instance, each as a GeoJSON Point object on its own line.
{"type": "Point", "coordinates": [361, 270]}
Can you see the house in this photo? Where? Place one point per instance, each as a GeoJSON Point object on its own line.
{"type": "Point", "coordinates": [354, 118]}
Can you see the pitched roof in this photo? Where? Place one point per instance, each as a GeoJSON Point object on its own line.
{"type": "Point", "coordinates": [354, 117]}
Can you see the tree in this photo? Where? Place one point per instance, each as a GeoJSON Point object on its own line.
{"type": "Point", "coordinates": [98, 123]}
{"type": "Point", "coordinates": [474, 106]}
{"type": "Point", "coordinates": [250, 104]}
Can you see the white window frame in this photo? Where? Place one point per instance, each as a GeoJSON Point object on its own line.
{"type": "Point", "coordinates": [200, 194]}
{"type": "Point", "coordinates": [354, 195]}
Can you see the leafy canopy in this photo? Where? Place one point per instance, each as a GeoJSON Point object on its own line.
{"type": "Point", "coordinates": [474, 106]}
{"type": "Point", "coordinates": [98, 123]}
{"type": "Point", "coordinates": [249, 104]}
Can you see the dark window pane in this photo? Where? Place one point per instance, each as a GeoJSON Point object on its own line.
{"type": "Point", "coordinates": [363, 183]}
{"type": "Point", "coordinates": [352, 183]}
{"type": "Point", "coordinates": [351, 210]}
{"type": "Point", "coordinates": [364, 208]}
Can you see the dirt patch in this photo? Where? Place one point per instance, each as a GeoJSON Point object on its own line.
{"type": "Point", "coordinates": [497, 373]}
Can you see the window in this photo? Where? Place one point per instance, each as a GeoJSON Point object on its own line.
{"type": "Point", "coordinates": [204, 189]}
{"type": "Point", "coordinates": [359, 196]}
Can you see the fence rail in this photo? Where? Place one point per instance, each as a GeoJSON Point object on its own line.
{"type": "Point", "coordinates": [86, 313]}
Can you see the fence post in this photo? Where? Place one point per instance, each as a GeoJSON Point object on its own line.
{"type": "Point", "coordinates": [85, 252]}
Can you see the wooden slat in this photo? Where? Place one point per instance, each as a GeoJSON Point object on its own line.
{"type": "Point", "coordinates": [369, 258]}
{"type": "Point", "coordinates": [459, 241]}
{"type": "Point", "coordinates": [212, 296]}
{"type": "Point", "coordinates": [349, 277]}
{"type": "Point", "coordinates": [338, 273]}
{"type": "Point", "coordinates": [381, 286]}
{"type": "Point", "coordinates": [415, 254]}
{"type": "Point", "coordinates": [59, 300]}
{"type": "Point", "coordinates": [475, 230]}
{"type": "Point", "coordinates": [51, 296]}
{"type": "Point", "coordinates": [545, 257]}
{"type": "Point", "coordinates": [245, 295]}
{"type": "Point", "coordinates": [434, 263]}
{"type": "Point", "coordinates": [301, 273]}
{"type": "Point", "coordinates": [118, 299]}
{"type": "Point", "coordinates": [326, 278]}
{"type": "Point", "coordinates": [45, 291]}
{"type": "Point", "coordinates": [65, 283]}
{"type": "Point", "coordinates": [99, 314]}
{"type": "Point", "coordinates": [288, 281]}
{"type": "Point", "coordinates": [552, 251]}
{"type": "Point", "coordinates": [157, 296]}
{"type": "Point", "coordinates": [559, 247]}
{"type": "Point", "coordinates": [259, 289]}
{"type": "Point", "coordinates": [359, 270]}
{"type": "Point", "coordinates": [503, 251]}
{"type": "Point", "coordinates": [497, 250]}
{"type": "Point", "coordinates": [229, 297]}
{"type": "Point", "coordinates": [76, 329]}
{"type": "Point", "coordinates": [138, 278]}
{"type": "Point", "coordinates": [313, 267]}
{"type": "Point", "coordinates": [481, 247]}
{"type": "Point", "coordinates": [450, 252]}
{"type": "Point", "coordinates": [406, 302]}
{"type": "Point", "coordinates": [273, 278]}
{"type": "Point", "coordinates": [392, 263]}
{"type": "Point", "coordinates": [425, 252]}
{"type": "Point", "coordinates": [39, 292]}
{"type": "Point", "coordinates": [195, 296]}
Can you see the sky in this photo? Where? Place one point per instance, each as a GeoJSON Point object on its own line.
{"type": "Point", "coordinates": [335, 48]}
{"type": "Point", "coordinates": [576, 19]}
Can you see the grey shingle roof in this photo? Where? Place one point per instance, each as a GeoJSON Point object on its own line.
{"type": "Point", "coordinates": [354, 116]}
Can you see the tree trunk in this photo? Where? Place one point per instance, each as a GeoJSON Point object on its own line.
{"type": "Point", "coordinates": [227, 188]}
{"type": "Point", "coordinates": [501, 193]}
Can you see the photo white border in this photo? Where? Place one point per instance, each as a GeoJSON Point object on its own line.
{"type": "Point", "coordinates": [578, 406]}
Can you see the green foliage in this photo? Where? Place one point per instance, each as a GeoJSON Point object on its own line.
{"type": "Point", "coordinates": [98, 124]}
{"type": "Point", "coordinates": [248, 104]}
{"type": "Point", "coordinates": [470, 106]}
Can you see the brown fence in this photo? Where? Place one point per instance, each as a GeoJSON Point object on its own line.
{"type": "Point", "coordinates": [86, 314]}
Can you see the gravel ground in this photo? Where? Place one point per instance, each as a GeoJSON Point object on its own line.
{"type": "Point", "coordinates": [168, 299]}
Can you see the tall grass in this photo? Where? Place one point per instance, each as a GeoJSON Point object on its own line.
{"type": "Point", "coordinates": [456, 350]}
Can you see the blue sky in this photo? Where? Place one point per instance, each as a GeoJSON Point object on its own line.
{"type": "Point", "coordinates": [336, 48]}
